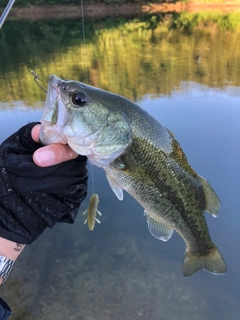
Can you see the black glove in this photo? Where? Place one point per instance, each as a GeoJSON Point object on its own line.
{"type": "Point", "coordinates": [31, 197]}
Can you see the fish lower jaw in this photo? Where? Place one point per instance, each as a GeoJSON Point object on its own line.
{"type": "Point", "coordinates": [94, 159]}
{"type": "Point", "coordinates": [80, 149]}
{"type": "Point", "coordinates": [101, 162]}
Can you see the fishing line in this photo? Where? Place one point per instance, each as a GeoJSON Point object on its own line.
{"type": "Point", "coordinates": [86, 75]}
{"type": "Point", "coordinates": [84, 42]}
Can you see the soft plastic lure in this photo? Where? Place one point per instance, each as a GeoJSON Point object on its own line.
{"type": "Point", "coordinates": [92, 212]}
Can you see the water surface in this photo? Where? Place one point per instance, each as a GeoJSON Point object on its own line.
{"type": "Point", "coordinates": [187, 77]}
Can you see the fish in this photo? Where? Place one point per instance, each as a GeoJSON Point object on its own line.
{"type": "Point", "coordinates": [140, 156]}
{"type": "Point", "coordinates": [92, 212]}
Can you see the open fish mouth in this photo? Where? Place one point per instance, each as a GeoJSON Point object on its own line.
{"type": "Point", "coordinates": [55, 116]}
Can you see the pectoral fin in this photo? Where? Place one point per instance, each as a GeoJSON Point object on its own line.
{"type": "Point", "coordinates": [158, 229]}
{"type": "Point", "coordinates": [115, 187]}
{"type": "Point", "coordinates": [212, 200]}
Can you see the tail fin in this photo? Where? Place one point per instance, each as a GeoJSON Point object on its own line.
{"type": "Point", "coordinates": [211, 261]}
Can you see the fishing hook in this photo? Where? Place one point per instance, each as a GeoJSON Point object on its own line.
{"type": "Point", "coordinates": [36, 79]}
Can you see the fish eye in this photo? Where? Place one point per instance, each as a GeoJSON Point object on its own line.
{"type": "Point", "coordinates": [79, 99]}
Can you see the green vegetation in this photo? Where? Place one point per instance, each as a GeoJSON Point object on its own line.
{"type": "Point", "coordinates": [132, 57]}
{"type": "Point", "coordinates": [207, 19]}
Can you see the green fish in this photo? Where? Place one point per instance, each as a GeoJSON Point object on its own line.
{"type": "Point", "coordinates": [139, 156]}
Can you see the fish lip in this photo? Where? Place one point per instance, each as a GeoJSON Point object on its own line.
{"type": "Point", "coordinates": [54, 84]}
{"type": "Point", "coordinates": [52, 80]}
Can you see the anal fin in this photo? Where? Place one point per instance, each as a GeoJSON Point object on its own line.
{"type": "Point", "coordinates": [158, 228]}
{"type": "Point", "coordinates": [212, 200]}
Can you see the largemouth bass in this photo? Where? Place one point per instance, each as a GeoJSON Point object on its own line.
{"type": "Point", "coordinates": [92, 212]}
{"type": "Point", "coordinates": [139, 156]}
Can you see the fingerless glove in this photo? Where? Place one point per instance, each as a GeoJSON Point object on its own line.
{"type": "Point", "coordinates": [32, 197]}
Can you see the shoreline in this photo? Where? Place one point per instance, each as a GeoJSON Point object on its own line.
{"type": "Point", "coordinates": [101, 10]}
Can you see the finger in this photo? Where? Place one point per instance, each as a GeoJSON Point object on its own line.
{"type": "Point", "coordinates": [53, 154]}
{"type": "Point", "coordinates": [36, 132]}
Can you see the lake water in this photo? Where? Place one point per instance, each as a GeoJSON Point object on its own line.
{"type": "Point", "coordinates": [184, 70]}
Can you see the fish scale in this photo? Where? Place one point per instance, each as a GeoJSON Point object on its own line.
{"type": "Point", "coordinates": [159, 190]}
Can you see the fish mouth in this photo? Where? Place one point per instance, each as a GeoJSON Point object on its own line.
{"type": "Point", "coordinates": [55, 115]}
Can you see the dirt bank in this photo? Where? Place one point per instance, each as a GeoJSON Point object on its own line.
{"type": "Point", "coordinates": [194, 6]}
{"type": "Point", "coordinates": [101, 10]}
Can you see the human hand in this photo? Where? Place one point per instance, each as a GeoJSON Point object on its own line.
{"type": "Point", "coordinates": [38, 190]}
{"type": "Point", "coordinates": [52, 154]}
